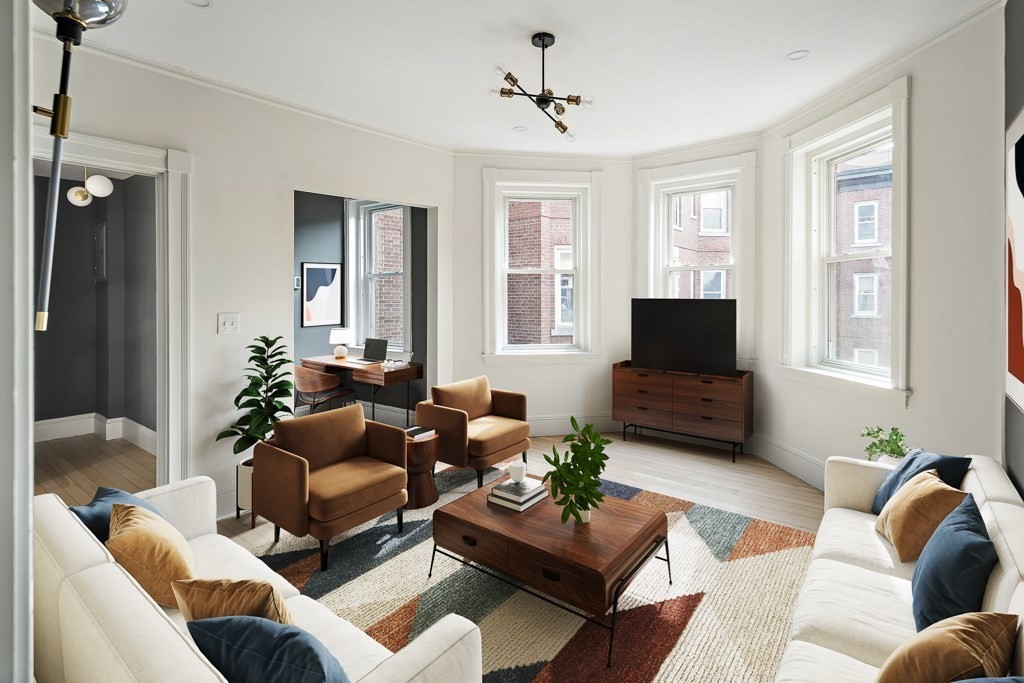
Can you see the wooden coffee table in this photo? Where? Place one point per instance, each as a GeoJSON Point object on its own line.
{"type": "Point", "coordinates": [586, 566]}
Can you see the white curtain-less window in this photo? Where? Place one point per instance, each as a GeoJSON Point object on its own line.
{"type": "Point", "coordinates": [385, 296]}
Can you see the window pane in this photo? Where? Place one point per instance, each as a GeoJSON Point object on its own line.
{"type": "Point", "coordinates": [535, 228]}
{"type": "Point", "coordinates": [863, 201]}
{"type": "Point", "coordinates": [691, 245]}
{"type": "Point", "coordinates": [859, 316]}
{"type": "Point", "coordinates": [701, 284]}
{"type": "Point", "coordinates": [388, 251]}
{"type": "Point", "coordinates": [388, 309]}
{"type": "Point", "coordinates": [541, 309]}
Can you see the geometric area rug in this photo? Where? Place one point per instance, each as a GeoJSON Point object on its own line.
{"type": "Point", "coordinates": [726, 616]}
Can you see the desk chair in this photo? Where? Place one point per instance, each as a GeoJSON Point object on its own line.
{"type": "Point", "coordinates": [314, 388]}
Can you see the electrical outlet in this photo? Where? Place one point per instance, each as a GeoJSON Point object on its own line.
{"type": "Point", "coordinates": [229, 323]}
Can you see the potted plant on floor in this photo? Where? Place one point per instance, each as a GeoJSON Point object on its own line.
{"type": "Point", "coordinates": [262, 399]}
{"type": "Point", "coordinates": [888, 446]}
{"type": "Point", "coordinates": [576, 477]}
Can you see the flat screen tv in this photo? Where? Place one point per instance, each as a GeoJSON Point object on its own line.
{"type": "Point", "coordinates": [685, 335]}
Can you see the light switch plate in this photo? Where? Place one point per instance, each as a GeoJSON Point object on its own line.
{"type": "Point", "coordinates": [229, 323]}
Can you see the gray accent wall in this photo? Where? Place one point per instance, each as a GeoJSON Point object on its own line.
{"type": "Point", "coordinates": [139, 364]}
{"type": "Point", "coordinates": [1013, 424]}
{"type": "Point", "coordinates": [320, 237]}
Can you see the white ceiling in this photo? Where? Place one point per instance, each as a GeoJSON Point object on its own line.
{"type": "Point", "coordinates": [663, 73]}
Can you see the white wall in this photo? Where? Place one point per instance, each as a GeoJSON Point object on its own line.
{"type": "Point", "coordinates": [248, 157]}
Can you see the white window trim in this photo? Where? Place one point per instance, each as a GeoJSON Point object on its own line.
{"type": "Point", "coordinates": [725, 286]}
{"type": "Point", "coordinates": [857, 241]}
{"type": "Point", "coordinates": [655, 186]}
{"type": "Point", "coordinates": [857, 352]}
{"type": "Point", "coordinates": [724, 231]}
{"type": "Point", "coordinates": [693, 205]}
{"type": "Point", "coordinates": [858, 312]}
{"type": "Point", "coordinates": [585, 188]}
{"type": "Point", "coordinates": [561, 329]}
{"type": "Point", "coordinates": [363, 308]}
{"type": "Point", "coordinates": [887, 107]}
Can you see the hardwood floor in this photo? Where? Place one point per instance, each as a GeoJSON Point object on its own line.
{"type": "Point", "coordinates": [73, 467]}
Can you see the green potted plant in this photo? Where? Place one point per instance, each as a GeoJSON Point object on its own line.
{"type": "Point", "coordinates": [262, 399]}
{"type": "Point", "coordinates": [575, 479]}
{"type": "Point", "coordinates": [885, 443]}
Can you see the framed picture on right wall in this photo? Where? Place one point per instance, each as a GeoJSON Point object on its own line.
{"type": "Point", "coordinates": [321, 294]}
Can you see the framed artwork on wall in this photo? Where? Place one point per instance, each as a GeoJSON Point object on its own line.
{"type": "Point", "coordinates": [1015, 262]}
{"type": "Point", "coordinates": [321, 294]}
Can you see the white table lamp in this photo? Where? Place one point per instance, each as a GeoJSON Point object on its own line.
{"type": "Point", "coordinates": [341, 336]}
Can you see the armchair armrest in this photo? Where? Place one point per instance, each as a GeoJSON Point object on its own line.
{"type": "Point", "coordinates": [448, 652]}
{"type": "Point", "coordinates": [509, 404]}
{"type": "Point", "coordinates": [852, 483]}
{"type": "Point", "coordinates": [385, 443]}
{"type": "Point", "coordinates": [452, 427]}
{"type": "Point", "coordinates": [190, 505]}
{"type": "Point", "coordinates": [280, 488]}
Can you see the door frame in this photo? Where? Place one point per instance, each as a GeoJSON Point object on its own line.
{"type": "Point", "coordinates": [172, 170]}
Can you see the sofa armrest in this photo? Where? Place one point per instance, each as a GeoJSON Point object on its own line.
{"type": "Point", "coordinates": [190, 505]}
{"type": "Point", "coordinates": [280, 488]}
{"type": "Point", "coordinates": [852, 483]}
{"type": "Point", "coordinates": [508, 404]}
{"type": "Point", "coordinates": [385, 443]}
{"type": "Point", "coordinates": [450, 651]}
{"type": "Point", "coordinates": [452, 427]}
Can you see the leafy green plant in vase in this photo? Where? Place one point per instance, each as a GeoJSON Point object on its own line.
{"type": "Point", "coordinates": [576, 477]}
{"type": "Point", "coordinates": [263, 400]}
{"type": "Point", "coordinates": [885, 443]}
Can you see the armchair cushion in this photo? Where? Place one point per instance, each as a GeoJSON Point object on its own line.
{"type": "Point", "coordinates": [324, 438]}
{"type": "Point", "coordinates": [470, 395]}
{"type": "Point", "coordinates": [490, 434]}
{"type": "Point", "coordinates": [350, 485]}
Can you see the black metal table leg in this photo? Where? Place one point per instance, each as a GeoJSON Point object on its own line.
{"type": "Point", "coordinates": [408, 400]}
{"type": "Point", "coordinates": [611, 634]}
{"type": "Point", "coordinates": [432, 556]}
{"type": "Point", "coordinates": [373, 401]}
{"type": "Point", "coordinates": [668, 560]}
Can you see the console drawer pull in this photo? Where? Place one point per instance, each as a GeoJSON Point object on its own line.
{"type": "Point", "coordinates": [641, 374]}
{"type": "Point", "coordinates": [641, 391]}
{"type": "Point", "coordinates": [706, 381]}
{"type": "Point", "coordinates": [641, 408]}
{"type": "Point", "coordinates": [469, 540]}
{"type": "Point", "coordinates": [706, 418]}
{"type": "Point", "coordinates": [708, 400]}
{"type": "Point", "coordinates": [550, 575]}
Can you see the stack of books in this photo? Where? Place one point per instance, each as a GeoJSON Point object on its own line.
{"type": "Point", "coordinates": [419, 433]}
{"type": "Point", "coordinates": [519, 496]}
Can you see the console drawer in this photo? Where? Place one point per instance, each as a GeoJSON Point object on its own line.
{"type": "Point", "coordinates": [711, 407]}
{"type": "Point", "coordinates": [463, 539]}
{"type": "Point", "coordinates": [642, 398]}
{"type": "Point", "coordinates": [559, 579]}
{"type": "Point", "coordinates": [708, 387]}
{"type": "Point", "coordinates": [706, 425]}
{"type": "Point", "coordinates": [652, 380]}
{"type": "Point", "coordinates": [643, 416]}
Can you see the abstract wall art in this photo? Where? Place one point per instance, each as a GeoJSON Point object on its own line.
{"type": "Point", "coordinates": [321, 294]}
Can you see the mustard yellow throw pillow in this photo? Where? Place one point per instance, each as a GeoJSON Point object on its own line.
{"type": "Point", "coordinates": [972, 645]}
{"type": "Point", "coordinates": [914, 512]}
{"type": "Point", "coordinates": [211, 598]}
{"type": "Point", "coordinates": [151, 550]}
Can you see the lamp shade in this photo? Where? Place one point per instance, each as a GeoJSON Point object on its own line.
{"type": "Point", "coordinates": [99, 185]}
{"type": "Point", "coordinates": [341, 335]}
{"type": "Point", "coordinates": [94, 13]}
{"type": "Point", "coordinates": [79, 196]}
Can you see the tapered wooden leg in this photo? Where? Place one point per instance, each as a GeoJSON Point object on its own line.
{"type": "Point", "coordinates": [254, 518]}
{"type": "Point", "coordinates": [325, 549]}
{"type": "Point", "coordinates": [277, 533]}
{"type": "Point", "coordinates": [238, 512]}
{"type": "Point", "coordinates": [524, 456]}
{"type": "Point", "coordinates": [399, 520]}
{"type": "Point", "coordinates": [479, 478]}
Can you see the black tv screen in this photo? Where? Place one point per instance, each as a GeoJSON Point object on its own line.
{"type": "Point", "coordinates": [685, 335]}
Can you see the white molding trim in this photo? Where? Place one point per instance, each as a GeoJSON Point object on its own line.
{"type": "Point", "coordinates": [558, 425]}
{"type": "Point", "coordinates": [63, 427]}
{"type": "Point", "coordinates": [801, 465]}
{"type": "Point", "coordinates": [172, 169]}
{"type": "Point", "coordinates": [140, 435]}
{"type": "Point", "coordinates": [108, 428]}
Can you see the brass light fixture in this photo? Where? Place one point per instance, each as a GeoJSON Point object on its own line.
{"type": "Point", "coordinates": [546, 98]}
{"type": "Point", "coordinates": [73, 17]}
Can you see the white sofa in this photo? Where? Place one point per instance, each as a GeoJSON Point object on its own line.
{"type": "Point", "coordinates": [855, 605]}
{"type": "Point", "coordinates": [93, 622]}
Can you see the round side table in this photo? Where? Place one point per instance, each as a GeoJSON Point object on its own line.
{"type": "Point", "coordinates": [420, 457]}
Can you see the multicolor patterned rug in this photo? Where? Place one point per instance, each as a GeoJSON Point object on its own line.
{"type": "Point", "coordinates": [726, 616]}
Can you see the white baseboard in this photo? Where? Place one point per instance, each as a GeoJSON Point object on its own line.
{"type": "Point", "coordinates": [796, 462]}
{"type": "Point", "coordinates": [226, 503]}
{"type": "Point", "coordinates": [63, 427]}
{"type": "Point", "coordinates": [141, 436]}
{"type": "Point", "coordinates": [108, 428]}
{"type": "Point", "coordinates": [558, 425]}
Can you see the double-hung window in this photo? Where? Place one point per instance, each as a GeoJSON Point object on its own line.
{"type": "Point", "coordinates": [385, 292]}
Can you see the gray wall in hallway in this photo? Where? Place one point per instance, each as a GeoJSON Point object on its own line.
{"type": "Point", "coordinates": [319, 237]}
{"type": "Point", "coordinates": [140, 390]}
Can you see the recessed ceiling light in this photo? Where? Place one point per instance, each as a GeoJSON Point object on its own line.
{"type": "Point", "coordinates": [520, 129]}
{"type": "Point", "coordinates": [798, 54]}
{"type": "Point", "coordinates": [200, 3]}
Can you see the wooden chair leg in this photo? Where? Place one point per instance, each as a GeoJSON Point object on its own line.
{"type": "Point", "coordinates": [479, 478]}
{"type": "Point", "coordinates": [399, 520]}
{"type": "Point", "coordinates": [254, 517]}
{"type": "Point", "coordinates": [277, 534]}
{"type": "Point", "coordinates": [524, 456]}
{"type": "Point", "coordinates": [325, 550]}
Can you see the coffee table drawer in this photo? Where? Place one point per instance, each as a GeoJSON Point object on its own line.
{"type": "Point", "coordinates": [467, 541]}
{"type": "Point", "coordinates": [569, 583]}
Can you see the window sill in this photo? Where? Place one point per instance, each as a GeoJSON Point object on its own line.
{"type": "Point", "coordinates": [712, 233]}
{"type": "Point", "coordinates": [542, 358]}
{"type": "Point", "coordinates": [865, 315]}
{"type": "Point", "coordinates": [864, 386]}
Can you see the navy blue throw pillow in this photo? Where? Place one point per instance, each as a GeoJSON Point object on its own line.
{"type": "Point", "coordinates": [96, 515]}
{"type": "Point", "coordinates": [951, 470]}
{"type": "Point", "coordinates": [256, 650]}
{"type": "Point", "coordinates": [953, 570]}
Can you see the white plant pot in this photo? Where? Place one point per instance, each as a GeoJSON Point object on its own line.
{"type": "Point", "coordinates": [585, 516]}
{"type": "Point", "coordinates": [243, 492]}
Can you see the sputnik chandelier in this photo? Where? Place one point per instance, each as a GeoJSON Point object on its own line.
{"type": "Point", "coordinates": [546, 99]}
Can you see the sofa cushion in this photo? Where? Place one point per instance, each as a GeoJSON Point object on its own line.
{"type": "Point", "coordinates": [911, 516]}
{"type": "Point", "coordinates": [964, 646]}
{"type": "Point", "coordinates": [255, 650]}
{"type": "Point", "coordinates": [358, 653]}
{"type": "Point", "coordinates": [806, 663]}
{"type": "Point", "coordinates": [849, 536]}
{"type": "Point", "coordinates": [491, 433]}
{"type": "Point", "coordinates": [150, 549]}
{"type": "Point", "coordinates": [951, 470]}
{"type": "Point", "coordinates": [849, 609]}
{"type": "Point", "coordinates": [953, 570]}
{"type": "Point", "coordinates": [470, 395]}
{"type": "Point", "coordinates": [218, 557]}
{"type": "Point", "coordinates": [350, 485]}
{"type": "Point", "coordinates": [987, 481]}
{"type": "Point", "coordinates": [324, 438]}
{"type": "Point", "coordinates": [96, 514]}
{"type": "Point", "coordinates": [209, 598]}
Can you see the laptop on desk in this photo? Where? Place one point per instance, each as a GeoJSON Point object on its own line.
{"type": "Point", "coordinates": [374, 351]}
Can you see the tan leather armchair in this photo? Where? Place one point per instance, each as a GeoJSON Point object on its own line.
{"type": "Point", "coordinates": [324, 474]}
{"type": "Point", "coordinates": [477, 426]}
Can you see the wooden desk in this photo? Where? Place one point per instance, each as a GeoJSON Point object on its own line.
{"type": "Point", "coordinates": [374, 374]}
